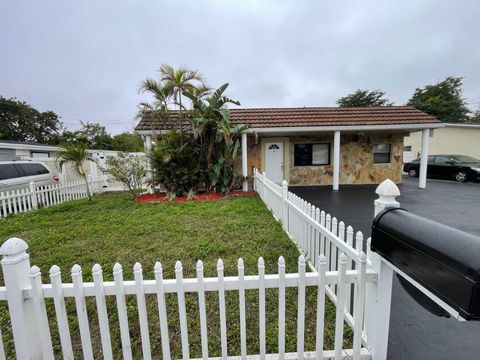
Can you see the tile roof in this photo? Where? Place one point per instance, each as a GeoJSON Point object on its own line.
{"type": "Point", "coordinates": [317, 116]}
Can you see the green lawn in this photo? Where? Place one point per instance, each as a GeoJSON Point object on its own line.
{"type": "Point", "coordinates": [112, 229]}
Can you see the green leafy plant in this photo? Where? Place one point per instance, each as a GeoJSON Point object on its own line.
{"type": "Point", "coordinates": [192, 194]}
{"type": "Point", "coordinates": [203, 157]}
{"type": "Point", "coordinates": [128, 170]}
{"type": "Point", "coordinates": [171, 196]}
{"type": "Point", "coordinates": [75, 156]}
{"type": "Point", "coordinates": [176, 166]}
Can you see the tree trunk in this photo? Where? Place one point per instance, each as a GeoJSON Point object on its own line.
{"type": "Point", "coordinates": [181, 117]}
{"type": "Point", "coordinates": [89, 194]}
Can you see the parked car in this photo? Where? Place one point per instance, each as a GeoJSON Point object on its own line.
{"type": "Point", "coordinates": [457, 167]}
{"type": "Point", "coordinates": [18, 175]}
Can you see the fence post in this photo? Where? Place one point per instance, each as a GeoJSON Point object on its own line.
{"type": "Point", "coordinates": [16, 267]}
{"type": "Point", "coordinates": [33, 195]}
{"type": "Point", "coordinates": [285, 205]}
{"type": "Point", "coordinates": [254, 179]}
{"type": "Point", "coordinates": [379, 294]}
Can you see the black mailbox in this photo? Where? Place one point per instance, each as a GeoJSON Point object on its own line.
{"type": "Point", "coordinates": [444, 260]}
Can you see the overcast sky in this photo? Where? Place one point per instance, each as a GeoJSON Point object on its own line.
{"type": "Point", "coordinates": [85, 59]}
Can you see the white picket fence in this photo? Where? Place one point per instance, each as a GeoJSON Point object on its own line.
{"type": "Point", "coordinates": [33, 197]}
{"type": "Point", "coordinates": [320, 235]}
{"type": "Point", "coordinates": [26, 296]}
{"type": "Point", "coordinates": [357, 283]}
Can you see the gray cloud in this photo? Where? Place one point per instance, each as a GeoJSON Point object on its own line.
{"type": "Point", "coordinates": [85, 60]}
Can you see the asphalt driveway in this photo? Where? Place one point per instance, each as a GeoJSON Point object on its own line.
{"type": "Point", "coordinates": [414, 332]}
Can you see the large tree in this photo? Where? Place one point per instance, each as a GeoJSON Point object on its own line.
{"type": "Point", "coordinates": [93, 134]}
{"type": "Point", "coordinates": [21, 122]}
{"type": "Point", "coordinates": [443, 100]}
{"type": "Point", "coordinates": [362, 98]}
{"type": "Point", "coordinates": [127, 142]}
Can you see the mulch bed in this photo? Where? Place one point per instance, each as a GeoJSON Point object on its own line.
{"type": "Point", "coordinates": [162, 197]}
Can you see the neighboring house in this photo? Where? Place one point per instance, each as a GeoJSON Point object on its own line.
{"type": "Point", "coordinates": [17, 150]}
{"type": "Point", "coordinates": [454, 139]}
{"type": "Point", "coordinates": [322, 145]}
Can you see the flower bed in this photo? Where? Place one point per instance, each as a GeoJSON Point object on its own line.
{"type": "Point", "coordinates": [162, 197]}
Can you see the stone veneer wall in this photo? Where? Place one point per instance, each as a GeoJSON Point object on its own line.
{"type": "Point", "coordinates": [356, 156]}
{"type": "Point", "coordinates": [356, 164]}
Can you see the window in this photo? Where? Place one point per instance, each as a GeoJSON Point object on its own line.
{"type": "Point", "coordinates": [442, 160]}
{"type": "Point", "coordinates": [407, 148]}
{"type": "Point", "coordinates": [381, 153]}
{"type": "Point", "coordinates": [33, 169]}
{"type": "Point", "coordinates": [311, 154]}
{"type": "Point", "coordinates": [8, 171]}
{"type": "Point", "coordinates": [39, 155]}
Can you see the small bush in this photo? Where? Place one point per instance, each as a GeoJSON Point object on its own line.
{"type": "Point", "coordinates": [128, 170]}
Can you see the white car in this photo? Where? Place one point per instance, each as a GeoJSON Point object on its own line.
{"type": "Point", "coordinates": [18, 175]}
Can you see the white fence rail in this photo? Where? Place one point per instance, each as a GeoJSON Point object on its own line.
{"type": "Point", "coordinates": [26, 296]}
{"type": "Point", "coordinates": [33, 197]}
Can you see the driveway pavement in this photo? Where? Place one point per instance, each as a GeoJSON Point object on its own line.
{"type": "Point", "coordinates": [414, 332]}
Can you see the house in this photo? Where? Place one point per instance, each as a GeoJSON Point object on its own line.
{"type": "Point", "coordinates": [455, 139]}
{"type": "Point", "coordinates": [323, 145]}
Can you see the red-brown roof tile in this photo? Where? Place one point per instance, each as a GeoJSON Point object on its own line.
{"type": "Point", "coordinates": [318, 116]}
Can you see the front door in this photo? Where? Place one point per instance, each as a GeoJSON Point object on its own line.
{"type": "Point", "coordinates": [274, 161]}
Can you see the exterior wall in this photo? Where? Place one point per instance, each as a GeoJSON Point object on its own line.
{"type": "Point", "coordinates": [461, 140]}
{"type": "Point", "coordinates": [356, 159]}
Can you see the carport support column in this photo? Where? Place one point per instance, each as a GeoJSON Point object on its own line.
{"type": "Point", "coordinates": [422, 181]}
{"type": "Point", "coordinates": [148, 153]}
{"type": "Point", "coordinates": [336, 160]}
{"type": "Point", "coordinates": [244, 162]}
{"type": "Point", "coordinates": [379, 294]}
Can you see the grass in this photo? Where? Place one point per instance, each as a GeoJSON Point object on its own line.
{"type": "Point", "coordinates": [112, 229]}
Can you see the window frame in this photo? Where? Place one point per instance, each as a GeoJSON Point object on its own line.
{"type": "Point", "coordinates": [389, 153]}
{"type": "Point", "coordinates": [329, 145]}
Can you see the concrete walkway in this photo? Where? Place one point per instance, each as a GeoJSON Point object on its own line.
{"type": "Point", "coordinates": [414, 332]}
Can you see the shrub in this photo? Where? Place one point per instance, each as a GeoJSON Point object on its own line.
{"type": "Point", "coordinates": [177, 165]}
{"type": "Point", "coordinates": [128, 170]}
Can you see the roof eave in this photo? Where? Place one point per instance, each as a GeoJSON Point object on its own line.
{"type": "Point", "coordinates": [330, 128]}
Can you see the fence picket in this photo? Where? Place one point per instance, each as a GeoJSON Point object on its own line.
{"type": "Point", "coordinates": [102, 312]}
{"type": "Point", "coordinates": [351, 287]}
{"type": "Point", "coordinates": [202, 310]}
{"type": "Point", "coordinates": [339, 316]}
{"type": "Point", "coordinates": [261, 306]}
{"type": "Point", "coordinates": [221, 305]}
{"type": "Point", "coordinates": [61, 312]}
{"type": "Point", "coordinates": [281, 308]}
{"type": "Point", "coordinates": [328, 245]}
{"type": "Point", "coordinates": [142, 311]}
{"type": "Point", "coordinates": [301, 308]}
{"type": "Point", "coordinates": [162, 310]}
{"type": "Point", "coordinates": [359, 307]}
{"type": "Point", "coordinates": [322, 268]}
{"type": "Point", "coordinates": [181, 310]}
{"type": "Point", "coordinates": [2, 347]}
{"type": "Point", "coordinates": [41, 319]}
{"type": "Point", "coordinates": [122, 311]}
{"type": "Point", "coordinates": [82, 312]}
{"type": "Point", "coordinates": [241, 297]}
{"type": "Point", "coordinates": [4, 204]}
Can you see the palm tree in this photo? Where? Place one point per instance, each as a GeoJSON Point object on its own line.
{"type": "Point", "coordinates": [75, 155]}
{"type": "Point", "coordinates": [158, 110]}
{"type": "Point", "coordinates": [177, 82]}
